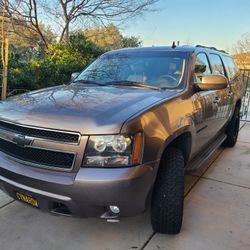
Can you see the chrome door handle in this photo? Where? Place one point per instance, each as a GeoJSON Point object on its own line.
{"type": "Point", "coordinates": [217, 100]}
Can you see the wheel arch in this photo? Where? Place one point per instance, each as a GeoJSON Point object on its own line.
{"type": "Point", "coordinates": [182, 140]}
{"type": "Point", "coordinates": [184, 143]}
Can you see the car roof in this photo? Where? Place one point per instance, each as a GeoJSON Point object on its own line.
{"type": "Point", "coordinates": [153, 49]}
{"type": "Point", "coordinates": [184, 48]}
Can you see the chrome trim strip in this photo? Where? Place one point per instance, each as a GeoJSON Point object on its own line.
{"type": "Point", "coordinates": [46, 129]}
{"type": "Point", "coordinates": [34, 190]}
{"type": "Point", "coordinates": [41, 165]}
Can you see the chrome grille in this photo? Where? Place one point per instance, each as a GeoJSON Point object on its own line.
{"type": "Point", "coordinates": [38, 156]}
{"type": "Point", "coordinates": [41, 133]}
{"type": "Point", "coordinates": [40, 147]}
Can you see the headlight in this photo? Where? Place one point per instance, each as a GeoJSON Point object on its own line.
{"type": "Point", "coordinates": [113, 151]}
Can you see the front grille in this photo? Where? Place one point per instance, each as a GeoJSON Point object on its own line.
{"type": "Point", "coordinates": [38, 156]}
{"type": "Point", "coordinates": [40, 133]}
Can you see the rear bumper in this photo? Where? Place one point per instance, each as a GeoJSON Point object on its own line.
{"type": "Point", "coordinates": [88, 193]}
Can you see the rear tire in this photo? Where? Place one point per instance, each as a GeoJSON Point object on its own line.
{"type": "Point", "coordinates": [232, 130]}
{"type": "Point", "coordinates": [168, 196]}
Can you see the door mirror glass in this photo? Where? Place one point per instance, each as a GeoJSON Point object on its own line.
{"type": "Point", "coordinates": [213, 82]}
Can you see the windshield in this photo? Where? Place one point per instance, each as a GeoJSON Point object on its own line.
{"type": "Point", "coordinates": [158, 69]}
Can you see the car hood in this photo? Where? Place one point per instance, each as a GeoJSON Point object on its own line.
{"type": "Point", "coordinates": [81, 108]}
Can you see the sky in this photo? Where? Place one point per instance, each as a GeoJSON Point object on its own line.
{"type": "Point", "coordinates": [218, 23]}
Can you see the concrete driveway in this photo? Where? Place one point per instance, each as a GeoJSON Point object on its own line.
{"type": "Point", "coordinates": [216, 215]}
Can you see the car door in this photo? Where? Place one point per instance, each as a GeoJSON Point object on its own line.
{"type": "Point", "coordinates": [234, 81]}
{"type": "Point", "coordinates": [224, 97]}
{"type": "Point", "coordinates": [204, 104]}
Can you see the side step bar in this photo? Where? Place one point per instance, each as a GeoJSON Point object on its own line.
{"type": "Point", "coordinates": [198, 160]}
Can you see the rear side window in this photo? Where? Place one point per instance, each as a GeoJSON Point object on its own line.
{"type": "Point", "coordinates": [230, 66]}
{"type": "Point", "coordinates": [202, 67]}
{"type": "Point", "coordinates": [216, 63]}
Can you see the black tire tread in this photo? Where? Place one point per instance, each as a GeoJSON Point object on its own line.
{"type": "Point", "coordinates": [232, 128]}
{"type": "Point", "coordinates": [168, 196]}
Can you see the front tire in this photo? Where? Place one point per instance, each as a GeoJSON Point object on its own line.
{"type": "Point", "coordinates": [168, 196]}
{"type": "Point", "coordinates": [232, 130]}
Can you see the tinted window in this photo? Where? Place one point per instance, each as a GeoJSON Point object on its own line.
{"type": "Point", "coordinates": [230, 66]}
{"type": "Point", "coordinates": [201, 66]}
{"type": "Point", "coordinates": [164, 70]}
{"type": "Point", "coordinates": [216, 64]}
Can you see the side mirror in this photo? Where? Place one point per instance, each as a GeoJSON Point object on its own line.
{"type": "Point", "coordinates": [74, 75]}
{"type": "Point", "coordinates": [213, 82]}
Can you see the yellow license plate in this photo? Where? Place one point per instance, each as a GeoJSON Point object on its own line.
{"type": "Point", "coordinates": [27, 199]}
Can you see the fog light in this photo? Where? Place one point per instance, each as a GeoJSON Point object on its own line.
{"type": "Point", "coordinates": [114, 209]}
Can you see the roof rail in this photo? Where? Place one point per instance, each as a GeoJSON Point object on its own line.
{"type": "Point", "coordinates": [213, 48]}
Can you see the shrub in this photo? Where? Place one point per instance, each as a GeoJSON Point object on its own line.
{"type": "Point", "coordinates": [59, 62]}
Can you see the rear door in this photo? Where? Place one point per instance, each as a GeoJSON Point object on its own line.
{"type": "Point", "coordinates": [224, 97]}
{"type": "Point", "coordinates": [205, 108]}
{"type": "Point", "coordinates": [234, 81]}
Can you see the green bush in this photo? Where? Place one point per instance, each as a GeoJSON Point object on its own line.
{"type": "Point", "coordinates": [59, 62]}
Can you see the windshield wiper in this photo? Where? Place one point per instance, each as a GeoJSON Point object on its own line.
{"type": "Point", "coordinates": [89, 82]}
{"type": "Point", "coordinates": [131, 83]}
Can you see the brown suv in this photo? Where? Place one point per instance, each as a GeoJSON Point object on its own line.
{"type": "Point", "coordinates": [121, 134]}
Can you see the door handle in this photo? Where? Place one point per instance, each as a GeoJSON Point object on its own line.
{"type": "Point", "coordinates": [217, 100]}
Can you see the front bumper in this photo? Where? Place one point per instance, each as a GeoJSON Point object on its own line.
{"type": "Point", "coordinates": [87, 193]}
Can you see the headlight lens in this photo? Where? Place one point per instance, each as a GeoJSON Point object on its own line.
{"type": "Point", "coordinates": [120, 143]}
{"type": "Point", "coordinates": [112, 151]}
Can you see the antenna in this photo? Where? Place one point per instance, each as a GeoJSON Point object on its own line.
{"type": "Point", "coordinates": [173, 45]}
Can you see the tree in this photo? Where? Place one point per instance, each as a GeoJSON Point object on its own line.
{"type": "Point", "coordinates": [57, 65]}
{"type": "Point", "coordinates": [78, 50]}
{"type": "Point", "coordinates": [104, 37]}
{"type": "Point", "coordinates": [24, 13]}
{"type": "Point", "coordinates": [28, 42]}
{"type": "Point", "coordinates": [110, 37]}
{"type": "Point", "coordinates": [68, 15]}
{"type": "Point", "coordinates": [129, 42]}
{"type": "Point", "coordinates": [25, 37]}
{"type": "Point", "coordinates": [242, 51]}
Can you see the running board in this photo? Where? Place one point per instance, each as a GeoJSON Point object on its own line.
{"type": "Point", "coordinates": [198, 160]}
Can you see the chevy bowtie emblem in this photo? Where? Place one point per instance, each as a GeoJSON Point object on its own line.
{"type": "Point", "coordinates": [21, 140]}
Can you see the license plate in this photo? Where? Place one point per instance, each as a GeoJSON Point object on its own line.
{"type": "Point", "coordinates": [27, 199]}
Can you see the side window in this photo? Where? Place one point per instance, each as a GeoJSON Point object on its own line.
{"type": "Point", "coordinates": [230, 66]}
{"type": "Point", "coordinates": [216, 63]}
{"type": "Point", "coordinates": [202, 67]}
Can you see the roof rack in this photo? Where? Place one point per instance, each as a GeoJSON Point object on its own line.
{"type": "Point", "coordinates": [213, 48]}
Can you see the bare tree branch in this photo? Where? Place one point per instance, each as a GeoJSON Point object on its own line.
{"type": "Point", "coordinates": [25, 13]}
{"type": "Point", "coordinates": [74, 12]}
{"type": "Point", "coordinates": [242, 50]}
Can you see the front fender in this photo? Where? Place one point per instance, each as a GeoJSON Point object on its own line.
{"type": "Point", "coordinates": [161, 125]}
